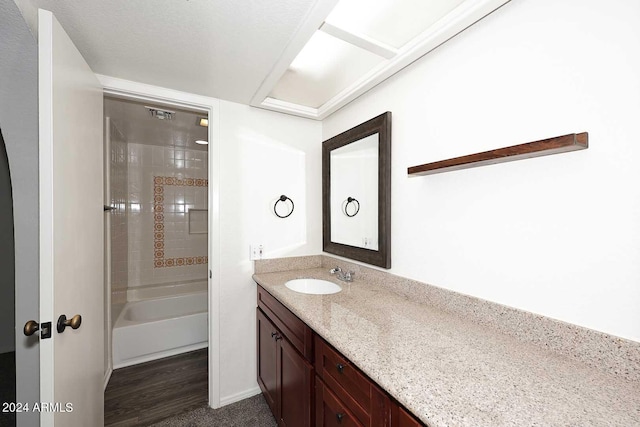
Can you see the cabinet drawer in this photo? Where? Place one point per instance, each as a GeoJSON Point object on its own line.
{"type": "Point", "coordinates": [363, 397]}
{"type": "Point", "coordinates": [330, 411]}
{"type": "Point", "coordinates": [294, 329]}
{"type": "Point", "coordinates": [402, 418]}
{"type": "Point", "coordinates": [335, 369]}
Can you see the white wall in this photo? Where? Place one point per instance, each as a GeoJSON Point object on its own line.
{"type": "Point", "coordinates": [262, 156]}
{"type": "Point", "coordinates": [556, 235]}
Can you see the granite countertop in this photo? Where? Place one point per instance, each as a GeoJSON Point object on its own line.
{"type": "Point", "coordinates": [448, 370]}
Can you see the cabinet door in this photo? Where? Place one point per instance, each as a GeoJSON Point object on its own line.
{"type": "Point", "coordinates": [330, 411]}
{"type": "Point", "coordinates": [295, 377]}
{"type": "Point", "coordinates": [267, 360]}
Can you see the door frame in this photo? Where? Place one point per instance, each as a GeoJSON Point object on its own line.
{"type": "Point", "coordinates": [148, 93]}
{"type": "Point", "coordinates": [106, 173]}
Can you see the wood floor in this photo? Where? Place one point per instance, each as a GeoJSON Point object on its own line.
{"type": "Point", "coordinates": [143, 394]}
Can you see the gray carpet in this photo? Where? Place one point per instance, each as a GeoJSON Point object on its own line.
{"type": "Point", "coordinates": [251, 412]}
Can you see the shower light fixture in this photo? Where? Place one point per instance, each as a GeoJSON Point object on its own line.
{"type": "Point", "coordinates": [160, 114]}
{"type": "Point", "coordinates": [201, 142]}
{"type": "Point", "coordinates": [203, 121]}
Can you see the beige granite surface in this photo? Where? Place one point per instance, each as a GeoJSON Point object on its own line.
{"type": "Point", "coordinates": [449, 369]}
{"type": "Point", "coordinates": [285, 264]}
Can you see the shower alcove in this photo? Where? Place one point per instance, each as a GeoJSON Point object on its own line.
{"type": "Point", "coordinates": [156, 200]}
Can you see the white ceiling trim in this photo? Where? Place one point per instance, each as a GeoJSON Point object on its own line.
{"type": "Point", "coordinates": [361, 41]}
{"type": "Point", "coordinates": [289, 108]}
{"type": "Point", "coordinates": [312, 22]}
{"type": "Point", "coordinates": [465, 15]}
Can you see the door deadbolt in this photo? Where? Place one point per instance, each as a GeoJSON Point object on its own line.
{"type": "Point", "coordinates": [63, 322]}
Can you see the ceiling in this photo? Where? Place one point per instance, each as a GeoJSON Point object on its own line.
{"type": "Point", "coordinates": [135, 122]}
{"type": "Point", "coordinates": [218, 48]}
{"type": "Point", "coordinates": [242, 51]}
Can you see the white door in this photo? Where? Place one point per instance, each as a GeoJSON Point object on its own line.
{"type": "Point", "coordinates": [71, 233]}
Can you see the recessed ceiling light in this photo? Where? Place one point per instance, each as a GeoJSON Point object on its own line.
{"type": "Point", "coordinates": [201, 142]}
{"type": "Point", "coordinates": [203, 121]}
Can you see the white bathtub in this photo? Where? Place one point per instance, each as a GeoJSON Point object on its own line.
{"type": "Point", "coordinates": [139, 293]}
{"type": "Point", "coordinates": [160, 327]}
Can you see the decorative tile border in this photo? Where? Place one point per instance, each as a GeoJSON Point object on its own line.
{"type": "Point", "coordinates": [159, 182]}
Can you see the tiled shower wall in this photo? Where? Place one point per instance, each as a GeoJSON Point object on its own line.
{"type": "Point", "coordinates": [118, 198]}
{"type": "Point", "coordinates": [164, 184]}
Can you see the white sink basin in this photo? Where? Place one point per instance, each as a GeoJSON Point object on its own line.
{"type": "Point", "coordinates": [313, 286]}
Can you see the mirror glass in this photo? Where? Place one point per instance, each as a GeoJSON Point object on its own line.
{"type": "Point", "coordinates": [356, 192]}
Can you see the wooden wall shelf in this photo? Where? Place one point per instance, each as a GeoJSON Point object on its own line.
{"type": "Point", "coordinates": [544, 147]}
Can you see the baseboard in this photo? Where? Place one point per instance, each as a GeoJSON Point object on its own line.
{"type": "Point", "coordinates": [224, 401]}
{"type": "Point", "coordinates": [159, 355]}
{"type": "Point", "coordinates": [107, 377]}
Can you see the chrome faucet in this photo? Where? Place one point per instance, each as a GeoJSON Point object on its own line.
{"type": "Point", "coordinates": [344, 276]}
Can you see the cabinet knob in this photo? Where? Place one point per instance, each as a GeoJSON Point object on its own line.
{"type": "Point", "coordinates": [278, 337]}
{"type": "Point", "coordinates": [340, 367]}
{"type": "Point", "coordinates": [339, 416]}
{"type": "Point", "coordinates": [273, 334]}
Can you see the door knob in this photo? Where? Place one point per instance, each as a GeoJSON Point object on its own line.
{"type": "Point", "coordinates": [63, 322]}
{"type": "Point", "coordinates": [31, 327]}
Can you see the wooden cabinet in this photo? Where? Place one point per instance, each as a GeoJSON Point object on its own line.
{"type": "Point", "coordinates": [330, 411]}
{"type": "Point", "coordinates": [306, 382]}
{"type": "Point", "coordinates": [363, 399]}
{"type": "Point", "coordinates": [401, 418]}
{"type": "Point", "coordinates": [285, 375]}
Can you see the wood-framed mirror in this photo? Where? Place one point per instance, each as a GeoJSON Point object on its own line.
{"type": "Point", "coordinates": [356, 192]}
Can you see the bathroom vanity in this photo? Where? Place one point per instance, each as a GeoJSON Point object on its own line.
{"type": "Point", "coordinates": [308, 382]}
{"type": "Point", "coordinates": [389, 351]}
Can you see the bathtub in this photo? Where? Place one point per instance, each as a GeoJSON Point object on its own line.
{"type": "Point", "coordinates": [167, 289]}
{"type": "Point", "coordinates": [160, 327]}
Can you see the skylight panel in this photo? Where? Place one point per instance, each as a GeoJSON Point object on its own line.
{"type": "Point", "coordinates": [324, 67]}
{"type": "Point", "coordinates": [392, 22]}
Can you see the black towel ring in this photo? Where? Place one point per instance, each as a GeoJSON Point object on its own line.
{"type": "Point", "coordinates": [283, 198]}
{"type": "Point", "coordinates": [346, 205]}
